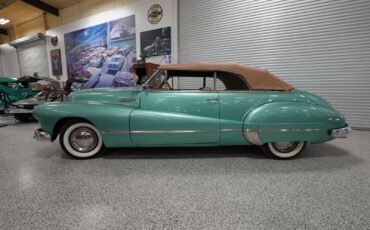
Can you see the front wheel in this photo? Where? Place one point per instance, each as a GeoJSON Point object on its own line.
{"type": "Point", "coordinates": [81, 139]}
{"type": "Point", "coordinates": [283, 150]}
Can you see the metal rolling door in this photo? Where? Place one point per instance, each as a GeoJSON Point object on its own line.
{"type": "Point", "coordinates": [319, 46]}
{"type": "Point", "coordinates": [32, 58]}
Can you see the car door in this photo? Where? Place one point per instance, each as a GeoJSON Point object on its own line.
{"type": "Point", "coordinates": [176, 117]}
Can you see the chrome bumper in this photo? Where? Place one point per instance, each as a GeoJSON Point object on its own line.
{"type": "Point", "coordinates": [41, 135]}
{"type": "Point", "coordinates": [342, 132]}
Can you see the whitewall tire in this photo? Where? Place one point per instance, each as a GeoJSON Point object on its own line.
{"type": "Point", "coordinates": [284, 150]}
{"type": "Point", "coordinates": [81, 139]}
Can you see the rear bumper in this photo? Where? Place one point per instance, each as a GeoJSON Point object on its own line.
{"type": "Point", "coordinates": [342, 132]}
{"type": "Point", "coordinates": [41, 135]}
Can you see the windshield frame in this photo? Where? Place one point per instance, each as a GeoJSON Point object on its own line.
{"type": "Point", "coordinates": [155, 75]}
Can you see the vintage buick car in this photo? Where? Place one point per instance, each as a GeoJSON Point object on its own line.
{"type": "Point", "coordinates": [196, 104]}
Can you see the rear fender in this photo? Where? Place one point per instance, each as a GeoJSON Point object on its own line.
{"type": "Point", "coordinates": [290, 121]}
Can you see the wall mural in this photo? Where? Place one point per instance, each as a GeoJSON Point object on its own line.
{"type": "Point", "coordinates": [103, 54]}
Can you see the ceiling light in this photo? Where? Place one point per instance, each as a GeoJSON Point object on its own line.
{"type": "Point", "coordinates": [4, 22]}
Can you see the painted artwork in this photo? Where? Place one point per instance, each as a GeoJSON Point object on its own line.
{"type": "Point", "coordinates": [56, 63]}
{"type": "Point", "coordinates": [156, 42]}
{"type": "Point", "coordinates": [103, 53]}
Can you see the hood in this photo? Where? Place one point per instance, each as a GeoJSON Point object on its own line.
{"type": "Point", "coordinates": [125, 96]}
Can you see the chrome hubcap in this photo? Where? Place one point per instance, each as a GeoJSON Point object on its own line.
{"type": "Point", "coordinates": [285, 147]}
{"type": "Point", "coordinates": [83, 139]}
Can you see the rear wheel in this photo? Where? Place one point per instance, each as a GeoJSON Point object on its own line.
{"type": "Point", "coordinates": [81, 140]}
{"type": "Point", "coordinates": [284, 150]}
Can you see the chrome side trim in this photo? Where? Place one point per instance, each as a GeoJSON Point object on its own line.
{"type": "Point", "coordinates": [252, 135]}
{"type": "Point", "coordinates": [126, 132]}
{"type": "Point", "coordinates": [41, 135]}
{"type": "Point", "coordinates": [287, 130]}
{"type": "Point", "coordinates": [126, 99]}
{"type": "Point", "coordinates": [342, 132]}
{"type": "Point", "coordinates": [172, 131]}
{"type": "Point", "coordinates": [103, 103]}
{"type": "Point", "coordinates": [115, 132]}
{"type": "Point", "coordinates": [230, 130]}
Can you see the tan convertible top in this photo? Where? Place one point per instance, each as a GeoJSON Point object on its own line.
{"type": "Point", "coordinates": [257, 79]}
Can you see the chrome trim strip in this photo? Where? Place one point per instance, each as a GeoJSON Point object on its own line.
{"type": "Point", "coordinates": [230, 130]}
{"type": "Point", "coordinates": [126, 99]}
{"type": "Point", "coordinates": [251, 130]}
{"type": "Point", "coordinates": [115, 132]}
{"type": "Point", "coordinates": [287, 130]}
{"type": "Point", "coordinates": [106, 103]}
{"type": "Point", "coordinates": [126, 132]}
{"type": "Point", "coordinates": [172, 131]}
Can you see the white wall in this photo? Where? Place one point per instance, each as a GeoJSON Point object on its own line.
{"type": "Point", "coordinates": [9, 66]}
{"type": "Point", "coordinates": [139, 9]}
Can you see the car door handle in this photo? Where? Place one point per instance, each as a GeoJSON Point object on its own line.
{"type": "Point", "coordinates": [213, 100]}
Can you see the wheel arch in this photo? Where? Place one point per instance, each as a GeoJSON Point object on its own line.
{"type": "Point", "coordinates": [62, 122]}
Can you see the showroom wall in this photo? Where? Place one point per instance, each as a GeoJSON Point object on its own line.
{"type": "Point", "coordinates": [139, 9]}
{"type": "Point", "coordinates": [320, 46]}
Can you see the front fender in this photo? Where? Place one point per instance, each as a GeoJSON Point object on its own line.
{"type": "Point", "coordinates": [108, 118]}
{"type": "Point", "coordinates": [291, 121]}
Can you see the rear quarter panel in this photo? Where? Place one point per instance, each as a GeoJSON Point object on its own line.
{"type": "Point", "coordinates": [278, 115]}
{"type": "Point", "coordinates": [293, 121]}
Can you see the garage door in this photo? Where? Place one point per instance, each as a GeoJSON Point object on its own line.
{"type": "Point", "coordinates": [32, 58]}
{"type": "Point", "coordinates": [320, 46]}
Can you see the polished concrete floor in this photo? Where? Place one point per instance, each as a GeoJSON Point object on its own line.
{"type": "Point", "coordinates": [327, 187]}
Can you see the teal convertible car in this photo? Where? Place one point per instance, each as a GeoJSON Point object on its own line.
{"type": "Point", "coordinates": [195, 104]}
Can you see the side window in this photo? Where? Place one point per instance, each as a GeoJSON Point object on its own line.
{"type": "Point", "coordinates": [197, 80]}
{"type": "Point", "coordinates": [230, 81]}
{"type": "Point", "coordinates": [191, 80]}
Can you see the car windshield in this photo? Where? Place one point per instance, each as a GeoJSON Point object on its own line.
{"type": "Point", "coordinates": [115, 59]}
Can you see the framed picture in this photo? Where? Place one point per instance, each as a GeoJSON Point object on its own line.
{"type": "Point", "coordinates": [156, 42]}
{"type": "Point", "coordinates": [56, 62]}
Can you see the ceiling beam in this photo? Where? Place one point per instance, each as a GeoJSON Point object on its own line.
{"type": "Point", "coordinates": [43, 6]}
{"type": "Point", "coordinates": [4, 32]}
